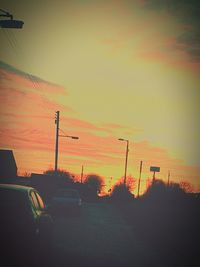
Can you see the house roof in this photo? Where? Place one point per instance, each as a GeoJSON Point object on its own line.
{"type": "Point", "coordinates": [7, 159]}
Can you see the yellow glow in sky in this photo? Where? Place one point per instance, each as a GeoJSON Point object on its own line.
{"type": "Point", "coordinates": [118, 63]}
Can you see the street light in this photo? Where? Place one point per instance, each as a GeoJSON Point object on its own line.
{"type": "Point", "coordinates": [16, 24]}
{"type": "Point", "coordinates": [126, 160]}
{"type": "Point", "coordinates": [69, 136]}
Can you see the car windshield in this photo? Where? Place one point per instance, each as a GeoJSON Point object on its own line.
{"type": "Point", "coordinates": [67, 193]}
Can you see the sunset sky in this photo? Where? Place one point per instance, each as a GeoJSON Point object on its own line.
{"type": "Point", "coordinates": [114, 69]}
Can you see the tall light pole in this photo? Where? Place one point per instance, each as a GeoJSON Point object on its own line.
{"type": "Point", "coordinates": [126, 159]}
{"type": "Point", "coordinates": [57, 120]}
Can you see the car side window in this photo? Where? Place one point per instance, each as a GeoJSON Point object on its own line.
{"type": "Point", "coordinates": [35, 201]}
{"type": "Point", "coordinates": [41, 203]}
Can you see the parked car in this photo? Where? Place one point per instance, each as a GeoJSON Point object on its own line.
{"type": "Point", "coordinates": [25, 224]}
{"type": "Point", "coordinates": [66, 201]}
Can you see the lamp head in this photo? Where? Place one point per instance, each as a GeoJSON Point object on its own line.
{"type": "Point", "coordinates": [74, 137]}
{"type": "Point", "coordinates": [16, 24]}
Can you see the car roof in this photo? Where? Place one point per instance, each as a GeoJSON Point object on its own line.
{"type": "Point", "coordinates": [67, 190]}
{"type": "Point", "coordinates": [17, 187]}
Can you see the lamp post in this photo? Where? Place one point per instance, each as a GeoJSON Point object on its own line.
{"type": "Point", "coordinates": [10, 23]}
{"type": "Point", "coordinates": [69, 136]}
{"type": "Point", "coordinates": [126, 160]}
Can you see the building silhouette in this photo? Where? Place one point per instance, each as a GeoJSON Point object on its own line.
{"type": "Point", "coordinates": [8, 166]}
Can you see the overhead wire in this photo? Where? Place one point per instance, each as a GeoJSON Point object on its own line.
{"type": "Point", "coordinates": [14, 44]}
{"type": "Point", "coordinates": [5, 32]}
{"type": "Point", "coordinates": [62, 131]}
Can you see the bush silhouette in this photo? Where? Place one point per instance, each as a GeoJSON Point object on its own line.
{"type": "Point", "coordinates": [156, 189]}
{"type": "Point", "coordinates": [161, 192]}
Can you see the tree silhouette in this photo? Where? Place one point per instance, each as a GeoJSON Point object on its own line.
{"type": "Point", "coordinates": [63, 177]}
{"type": "Point", "coordinates": [187, 187]}
{"type": "Point", "coordinates": [157, 188]}
{"type": "Point", "coordinates": [121, 193]}
{"type": "Point", "coordinates": [95, 182]}
{"type": "Point", "coordinates": [26, 174]}
{"type": "Point", "coordinates": [130, 182]}
{"type": "Point", "coordinates": [159, 191]}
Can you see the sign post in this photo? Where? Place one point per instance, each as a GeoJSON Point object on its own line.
{"type": "Point", "coordinates": [154, 169]}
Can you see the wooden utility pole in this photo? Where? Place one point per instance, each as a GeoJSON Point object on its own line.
{"type": "Point", "coordinates": [82, 174]}
{"type": "Point", "coordinates": [139, 178]}
{"type": "Point", "coordinates": [57, 119]}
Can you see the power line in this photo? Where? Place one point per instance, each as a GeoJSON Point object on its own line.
{"type": "Point", "coordinates": [62, 131]}
{"type": "Point", "coordinates": [14, 44]}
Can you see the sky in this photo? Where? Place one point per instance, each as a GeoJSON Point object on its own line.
{"type": "Point", "coordinates": [114, 69]}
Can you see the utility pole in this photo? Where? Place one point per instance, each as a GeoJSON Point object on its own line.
{"type": "Point", "coordinates": [127, 150]}
{"type": "Point", "coordinates": [139, 178]}
{"type": "Point", "coordinates": [168, 179]}
{"type": "Point", "coordinates": [57, 119]}
{"type": "Point", "coordinates": [82, 174]}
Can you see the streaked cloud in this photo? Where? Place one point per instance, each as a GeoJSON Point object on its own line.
{"type": "Point", "coordinates": [9, 73]}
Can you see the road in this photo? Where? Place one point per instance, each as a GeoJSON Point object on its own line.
{"type": "Point", "coordinates": [99, 237]}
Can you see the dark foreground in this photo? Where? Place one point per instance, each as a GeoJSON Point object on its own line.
{"type": "Point", "coordinates": [108, 234]}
